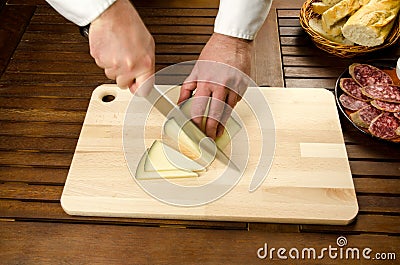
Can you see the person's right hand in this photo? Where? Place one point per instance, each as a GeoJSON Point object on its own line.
{"type": "Point", "coordinates": [121, 44]}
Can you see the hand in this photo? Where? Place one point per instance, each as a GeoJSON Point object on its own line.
{"type": "Point", "coordinates": [122, 46]}
{"type": "Point", "coordinates": [218, 77]}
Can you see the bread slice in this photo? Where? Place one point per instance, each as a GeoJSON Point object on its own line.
{"type": "Point", "coordinates": [335, 35]}
{"type": "Point", "coordinates": [319, 7]}
{"type": "Point", "coordinates": [372, 23]}
{"type": "Point", "coordinates": [339, 11]}
{"type": "Point", "coordinates": [330, 2]}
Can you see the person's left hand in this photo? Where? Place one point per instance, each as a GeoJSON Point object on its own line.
{"type": "Point", "coordinates": [221, 81]}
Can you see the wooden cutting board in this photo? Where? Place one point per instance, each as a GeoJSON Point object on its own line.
{"type": "Point", "coordinates": [309, 180]}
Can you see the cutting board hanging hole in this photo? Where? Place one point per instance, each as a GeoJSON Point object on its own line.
{"type": "Point", "coordinates": [108, 97]}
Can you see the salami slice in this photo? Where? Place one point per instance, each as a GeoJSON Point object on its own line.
{"type": "Point", "coordinates": [351, 103]}
{"type": "Point", "coordinates": [365, 75]}
{"type": "Point", "coordinates": [364, 116]}
{"type": "Point", "coordinates": [385, 126]}
{"type": "Point", "coordinates": [397, 115]}
{"type": "Point", "coordinates": [386, 106]}
{"type": "Point", "coordinates": [351, 88]}
{"type": "Point", "coordinates": [388, 93]}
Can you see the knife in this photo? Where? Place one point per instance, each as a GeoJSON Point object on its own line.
{"type": "Point", "coordinates": [170, 110]}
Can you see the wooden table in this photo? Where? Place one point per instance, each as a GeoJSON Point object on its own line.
{"type": "Point", "coordinates": [46, 79]}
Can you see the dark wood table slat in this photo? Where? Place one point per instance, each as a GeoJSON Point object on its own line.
{"type": "Point", "coordinates": [73, 104]}
{"type": "Point", "coordinates": [289, 13]}
{"type": "Point", "coordinates": [377, 186]}
{"type": "Point", "coordinates": [24, 191]}
{"type": "Point", "coordinates": [33, 175]}
{"type": "Point", "coordinates": [57, 91]}
{"type": "Point", "coordinates": [371, 168]}
{"type": "Point", "coordinates": [37, 159]}
{"type": "Point", "coordinates": [15, 143]}
{"type": "Point", "coordinates": [289, 22]}
{"type": "Point", "coordinates": [313, 82]}
{"type": "Point", "coordinates": [40, 129]}
{"type": "Point", "coordinates": [379, 204]}
{"type": "Point", "coordinates": [365, 223]}
{"type": "Point", "coordinates": [47, 115]}
{"type": "Point", "coordinates": [317, 72]}
{"type": "Point", "coordinates": [48, 79]}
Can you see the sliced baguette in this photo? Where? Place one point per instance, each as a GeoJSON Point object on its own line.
{"type": "Point", "coordinates": [339, 11]}
{"type": "Point", "coordinates": [319, 7]}
{"type": "Point", "coordinates": [316, 25]}
{"type": "Point", "coordinates": [330, 2]}
{"type": "Point", "coordinates": [372, 23]}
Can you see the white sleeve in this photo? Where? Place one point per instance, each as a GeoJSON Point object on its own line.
{"type": "Point", "coordinates": [81, 12]}
{"type": "Point", "coordinates": [241, 18]}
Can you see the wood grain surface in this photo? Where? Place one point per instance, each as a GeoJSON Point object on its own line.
{"type": "Point", "coordinates": [44, 109]}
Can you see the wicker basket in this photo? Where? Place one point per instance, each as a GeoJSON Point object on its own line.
{"type": "Point", "coordinates": [341, 50]}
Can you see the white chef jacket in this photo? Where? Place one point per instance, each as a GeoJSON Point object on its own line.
{"type": "Point", "coordinates": [236, 18]}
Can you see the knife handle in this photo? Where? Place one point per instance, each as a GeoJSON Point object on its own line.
{"type": "Point", "coordinates": [85, 31]}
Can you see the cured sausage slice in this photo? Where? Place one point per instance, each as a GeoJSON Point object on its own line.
{"type": "Point", "coordinates": [386, 106]}
{"type": "Point", "coordinates": [385, 126]}
{"type": "Point", "coordinates": [351, 88]}
{"type": "Point", "coordinates": [389, 93]}
{"type": "Point", "coordinates": [351, 103]}
{"type": "Point", "coordinates": [364, 116]}
{"type": "Point", "coordinates": [365, 75]}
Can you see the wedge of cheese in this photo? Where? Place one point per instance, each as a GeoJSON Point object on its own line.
{"type": "Point", "coordinates": [162, 157]}
{"type": "Point", "coordinates": [142, 174]}
{"type": "Point", "coordinates": [179, 159]}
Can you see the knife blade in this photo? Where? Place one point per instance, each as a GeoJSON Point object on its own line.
{"type": "Point", "coordinates": [170, 110]}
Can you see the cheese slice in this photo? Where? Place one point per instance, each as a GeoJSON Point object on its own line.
{"type": "Point", "coordinates": [177, 173]}
{"type": "Point", "coordinates": [162, 157]}
{"type": "Point", "coordinates": [185, 143]}
{"type": "Point", "coordinates": [172, 129]}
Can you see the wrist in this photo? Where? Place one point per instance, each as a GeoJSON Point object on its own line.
{"type": "Point", "coordinates": [117, 11]}
{"type": "Point", "coordinates": [238, 44]}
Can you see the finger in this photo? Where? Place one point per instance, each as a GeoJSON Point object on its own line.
{"type": "Point", "coordinates": [231, 101]}
{"type": "Point", "coordinates": [124, 81]}
{"type": "Point", "coordinates": [143, 84]}
{"type": "Point", "coordinates": [99, 62]}
{"type": "Point", "coordinates": [199, 104]}
{"type": "Point", "coordinates": [186, 91]}
{"type": "Point", "coordinates": [217, 106]}
{"type": "Point", "coordinates": [110, 73]}
{"type": "Point", "coordinates": [144, 78]}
